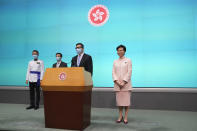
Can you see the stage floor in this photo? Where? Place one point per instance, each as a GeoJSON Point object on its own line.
{"type": "Point", "coordinates": [15, 117]}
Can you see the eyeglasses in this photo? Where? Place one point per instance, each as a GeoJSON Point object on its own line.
{"type": "Point", "coordinates": [78, 47]}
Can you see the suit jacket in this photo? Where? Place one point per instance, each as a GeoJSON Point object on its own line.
{"type": "Point", "coordinates": [62, 64]}
{"type": "Point", "coordinates": [85, 62]}
{"type": "Point", "coordinates": [122, 69]}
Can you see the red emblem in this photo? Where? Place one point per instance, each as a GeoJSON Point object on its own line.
{"type": "Point", "coordinates": [98, 15]}
{"type": "Point", "coordinates": [62, 76]}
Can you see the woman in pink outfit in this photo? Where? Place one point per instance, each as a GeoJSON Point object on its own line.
{"type": "Point", "coordinates": [121, 74]}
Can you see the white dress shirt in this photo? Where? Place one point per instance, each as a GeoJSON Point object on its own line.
{"type": "Point", "coordinates": [58, 64]}
{"type": "Point", "coordinates": [35, 66]}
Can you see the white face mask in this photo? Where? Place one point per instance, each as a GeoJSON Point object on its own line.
{"type": "Point", "coordinates": [58, 58]}
{"type": "Point", "coordinates": [79, 51]}
{"type": "Point", "coordinates": [35, 56]}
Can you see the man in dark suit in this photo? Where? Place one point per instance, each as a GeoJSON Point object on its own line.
{"type": "Point", "coordinates": [59, 62]}
{"type": "Point", "coordinates": [82, 59]}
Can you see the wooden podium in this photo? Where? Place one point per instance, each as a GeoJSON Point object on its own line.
{"type": "Point", "coordinates": [67, 98]}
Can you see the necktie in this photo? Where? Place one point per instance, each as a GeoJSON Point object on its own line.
{"type": "Point", "coordinates": [78, 60]}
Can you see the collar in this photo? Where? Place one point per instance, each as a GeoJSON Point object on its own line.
{"type": "Point", "coordinates": [122, 58]}
{"type": "Point", "coordinates": [81, 55]}
{"type": "Point", "coordinates": [59, 62]}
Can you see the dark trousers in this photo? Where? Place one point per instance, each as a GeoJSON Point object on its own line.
{"type": "Point", "coordinates": [34, 94]}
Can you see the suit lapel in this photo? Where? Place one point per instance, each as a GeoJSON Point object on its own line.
{"type": "Point", "coordinates": [75, 60]}
{"type": "Point", "coordinates": [60, 64]}
{"type": "Point", "coordinates": [82, 60]}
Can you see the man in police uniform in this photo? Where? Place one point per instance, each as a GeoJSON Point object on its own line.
{"type": "Point", "coordinates": [34, 76]}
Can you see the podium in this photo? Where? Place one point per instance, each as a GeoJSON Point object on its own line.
{"type": "Point", "coordinates": [67, 98]}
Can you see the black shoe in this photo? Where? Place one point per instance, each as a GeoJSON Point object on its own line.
{"type": "Point", "coordinates": [118, 121]}
{"type": "Point", "coordinates": [125, 122]}
{"type": "Point", "coordinates": [36, 107]}
{"type": "Point", "coordinates": [30, 107]}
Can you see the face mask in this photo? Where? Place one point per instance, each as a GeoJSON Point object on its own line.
{"type": "Point", "coordinates": [58, 58]}
{"type": "Point", "coordinates": [78, 50]}
{"type": "Point", "coordinates": [35, 56]}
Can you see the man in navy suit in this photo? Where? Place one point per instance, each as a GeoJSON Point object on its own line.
{"type": "Point", "coordinates": [82, 59]}
{"type": "Point", "coordinates": [59, 62]}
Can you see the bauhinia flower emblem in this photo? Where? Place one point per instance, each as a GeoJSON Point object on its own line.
{"type": "Point", "coordinates": [98, 15]}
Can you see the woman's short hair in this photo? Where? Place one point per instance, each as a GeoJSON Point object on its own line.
{"type": "Point", "coordinates": [121, 46]}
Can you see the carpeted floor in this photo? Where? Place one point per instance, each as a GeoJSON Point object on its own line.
{"type": "Point", "coordinates": [15, 117]}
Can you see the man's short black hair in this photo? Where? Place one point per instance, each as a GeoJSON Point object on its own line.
{"type": "Point", "coordinates": [59, 54]}
{"type": "Point", "coordinates": [121, 46]}
{"type": "Point", "coordinates": [35, 51]}
{"type": "Point", "coordinates": [80, 44]}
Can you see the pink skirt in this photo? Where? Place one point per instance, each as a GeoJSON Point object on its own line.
{"type": "Point", "coordinates": [123, 98]}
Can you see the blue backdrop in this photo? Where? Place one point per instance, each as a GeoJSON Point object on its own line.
{"type": "Point", "coordinates": [160, 36]}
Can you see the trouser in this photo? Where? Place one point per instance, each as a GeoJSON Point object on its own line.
{"type": "Point", "coordinates": [34, 94]}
